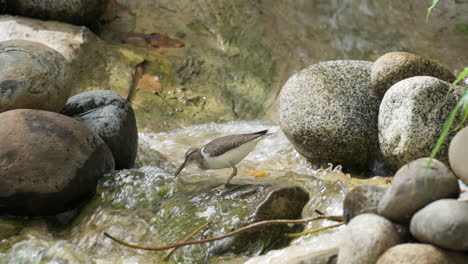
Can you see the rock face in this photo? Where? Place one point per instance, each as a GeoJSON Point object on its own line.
{"type": "Point", "coordinates": [421, 254]}
{"type": "Point", "coordinates": [396, 66]}
{"type": "Point", "coordinates": [48, 162]}
{"type": "Point", "coordinates": [111, 117]}
{"type": "Point", "coordinates": [366, 237]}
{"type": "Point", "coordinates": [329, 112]}
{"type": "Point", "coordinates": [79, 12]}
{"type": "Point", "coordinates": [458, 155]}
{"type": "Point", "coordinates": [411, 117]}
{"type": "Point", "coordinates": [413, 187]}
{"type": "Point", "coordinates": [443, 223]}
{"type": "Point", "coordinates": [32, 75]}
{"type": "Point", "coordinates": [362, 199]}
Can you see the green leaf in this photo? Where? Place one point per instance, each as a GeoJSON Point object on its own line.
{"type": "Point", "coordinates": [459, 78]}
{"type": "Point", "coordinates": [429, 10]}
{"type": "Point", "coordinates": [464, 102]}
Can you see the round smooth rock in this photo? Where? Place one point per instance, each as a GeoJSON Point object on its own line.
{"type": "Point", "coordinates": [366, 237]}
{"type": "Point", "coordinates": [421, 254]}
{"type": "Point", "coordinates": [362, 199]}
{"type": "Point", "coordinates": [411, 117]}
{"type": "Point", "coordinates": [442, 223]}
{"type": "Point", "coordinates": [414, 186]}
{"type": "Point", "coordinates": [48, 162]}
{"type": "Point", "coordinates": [33, 76]}
{"type": "Point", "coordinates": [78, 12]}
{"type": "Point", "coordinates": [396, 66]}
{"type": "Point", "coordinates": [112, 118]}
{"type": "Point", "coordinates": [329, 113]}
{"type": "Point", "coordinates": [458, 155]}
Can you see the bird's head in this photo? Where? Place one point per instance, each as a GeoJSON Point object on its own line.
{"type": "Point", "coordinates": [190, 156]}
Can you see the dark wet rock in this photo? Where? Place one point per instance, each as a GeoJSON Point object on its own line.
{"type": "Point", "coordinates": [458, 155]}
{"type": "Point", "coordinates": [78, 12]}
{"type": "Point", "coordinates": [168, 209]}
{"type": "Point", "coordinates": [147, 156]}
{"type": "Point", "coordinates": [32, 75]}
{"type": "Point", "coordinates": [36, 250]}
{"type": "Point", "coordinates": [396, 66]}
{"type": "Point", "coordinates": [421, 254]}
{"type": "Point", "coordinates": [411, 117]}
{"type": "Point", "coordinates": [366, 237]}
{"type": "Point", "coordinates": [443, 223]}
{"type": "Point", "coordinates": [329, 112]}
{"type": "Point", "coordinates": [48, 162]}
{"type": "Point", "coordinates": [111, 117]}
{"type": "Point", "coordinates": [362, 199]}
{"type": "Point", "coordinates": [413, 187]}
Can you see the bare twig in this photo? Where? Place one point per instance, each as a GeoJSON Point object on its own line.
{"type": "Point", "coordinates": [168, 254]}
{"type": "Point", "coordinates": [315, 230]}
{"type": "Point", "coordinates": [262, 223]}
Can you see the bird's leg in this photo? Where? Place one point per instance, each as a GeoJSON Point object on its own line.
{"type": "Point", "coordinates": [234, 172]}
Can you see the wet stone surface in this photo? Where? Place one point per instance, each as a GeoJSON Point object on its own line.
{"type": "Point", "coordinates": [162, 210]}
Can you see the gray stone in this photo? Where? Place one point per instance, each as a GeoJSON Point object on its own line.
{"type": "Point", "coordinates": [414, 186]}
{"type": "Point", "coordinates": [396, 66]}
{"type": "Point", "coordinates": [362, 199]}
{"type": "Point", "coordinates": [421, 254]}
{"type": "Point", "coordinates": [33, 76]}
{"type": "Point", "coordinates": [443, 223]}
{"type": "Point", "coordinates": [411, 117]}
{"type": "Point", "coordinates": [48, 162]}
{"type": "Point", "coordinates": [458, 155]}
{"type": "Point", "coordinates": [79, 12]}
{"type": "Point", "coordinates": [329, 113]}
{"type": "Point", "coordinates": [366, 237]}
{"type": "Point", "coordinates": [111, 117]}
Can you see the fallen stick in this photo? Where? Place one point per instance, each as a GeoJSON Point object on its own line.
{"type": "Point", "coordinates": [211, 239]}
{"type": "Point", "coordinates": [168, 254]}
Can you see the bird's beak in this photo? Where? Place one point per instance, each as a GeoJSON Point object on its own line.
{"type": "Point", "coordinates": [181, 167]}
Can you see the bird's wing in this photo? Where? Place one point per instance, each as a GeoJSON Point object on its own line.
{"type": "Point", "coordinates": [223, 144]}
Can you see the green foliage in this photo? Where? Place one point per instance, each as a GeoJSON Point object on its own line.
{"type": "Point", "coordinates": [429, 10]}
{"type": "Point", "coordinates": [463, 104]}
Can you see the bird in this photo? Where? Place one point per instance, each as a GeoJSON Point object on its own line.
{"type": "Point", "coordinates": [223, 152]}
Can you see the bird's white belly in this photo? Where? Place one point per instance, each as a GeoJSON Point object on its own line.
{"type": "Point", "coordinates": [231, 157]}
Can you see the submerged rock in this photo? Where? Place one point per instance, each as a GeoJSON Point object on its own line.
{"type": "Point", "coordinates": [458, 155]}
{"type": "Point", "coordinates": [32, 75]}
{"type": "Point", "coordinates": [43, 251]}
{"type": "Point", "coordinates": [421, 254]}
{"type": "Point", "coordinates": [150, 206]}
{"type": "Point", "coordinates": [48, 162]}
{"type": "Point", "coordinates": [111, 117]}
{"type": "Point", "coordinates": [362, 199]}
{"type": "Point", "coordinates": [79, 12]}
{"type": "Point", "coordinates": [366, 237]}
{"type": "Point", "coordinates": [443, 223]}
{"type": "Point", "coordinates": [411, 117]}
{"type": "Point", "coordinates": [396, 66]}
{"type": "Point", "coordinates": [414, 186]}
{"type": "Point", "coordinates": [329, 113]}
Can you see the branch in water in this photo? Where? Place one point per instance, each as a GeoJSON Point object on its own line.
{"type": "Point", "coordinates": [262, 223]}
{"type": "Point", "coordinates": [183, 240]}
{"type": "Point", "coordinates": [315, 230]}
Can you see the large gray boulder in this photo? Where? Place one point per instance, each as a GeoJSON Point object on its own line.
{"type": "Point", "coordinates": [366, 237]}
{"type": "Point", "coordinates": [48, 162]}
{"type": "Point", "coordinates": [411, 117]}
{"type": "Point", "coordinates": [414, 186]}
{"type": "Point", "coordinates": [78, 12]}
{"type": "Point", "coordinates": [32, 75]}
{"type": "Point", "coordinates": [443, 223]}
{"type": "Point", "coordinates": [393, 67]}
{"type": "Point", "coordinates": [111, 117]}
{"type": "Point", "coordinates": [458, 155]}
{"type": "Point", "coordinates": [329, 113]}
